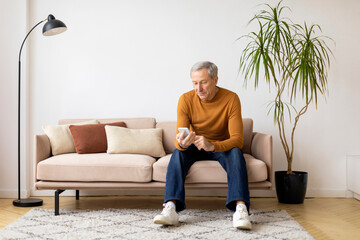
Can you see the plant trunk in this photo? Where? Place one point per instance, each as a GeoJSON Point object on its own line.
{"type": "Point", "coordinates": [289, 171]}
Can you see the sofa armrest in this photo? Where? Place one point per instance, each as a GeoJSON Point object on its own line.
{"type": "Point", "coordinates": [42, 150]}
{"type": "Point", "coordinates": [262, 149]}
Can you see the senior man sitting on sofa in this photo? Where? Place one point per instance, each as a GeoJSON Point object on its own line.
{"type": "Point", "coordinates": [213, 115]}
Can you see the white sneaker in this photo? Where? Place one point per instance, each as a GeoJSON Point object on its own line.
{"type": "Point", "coordinates": [168, 216]}
{"type": "Point", "coordinates": [241, 219]}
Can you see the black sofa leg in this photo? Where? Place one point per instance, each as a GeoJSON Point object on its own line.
{"type": "Point", "coordinates": [77, 194]}
{"type": "Point", "coordinates": [57, 193]}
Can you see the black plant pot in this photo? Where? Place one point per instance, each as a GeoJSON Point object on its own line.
{"type": "Point", "coordinates": [291, 188]}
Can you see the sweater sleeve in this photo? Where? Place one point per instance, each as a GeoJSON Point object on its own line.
{"type": "Point", "coordinates": [183, 118]}
{"type": "Point", "coordinates": [235, 128]}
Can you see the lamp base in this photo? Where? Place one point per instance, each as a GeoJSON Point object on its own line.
{"type": "Point", "coordinates": [30, 202]}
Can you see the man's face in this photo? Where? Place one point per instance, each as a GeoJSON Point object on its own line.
{"type": "Point", "coordinates": [204, 86]}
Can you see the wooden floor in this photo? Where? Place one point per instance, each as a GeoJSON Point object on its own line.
{"type": "Point", "coordinates": [323, 218]}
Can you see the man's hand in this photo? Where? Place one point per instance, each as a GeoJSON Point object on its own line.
{"type": "Point", "coordinates": [185, 142]}
{"type": "Point", "coordinates": [202, 143]}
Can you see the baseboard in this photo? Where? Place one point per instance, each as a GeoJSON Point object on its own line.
{"type": "Point", "coordinates": [6, 193]}
{"type": "Point", "coordinates": [357, 196]}
{"type": "Point", "coordinates": [310, 193]}
{"type": "Point", "coordinates": [327, 193]}
{"type": "Point", "coordinates": [354, 195]}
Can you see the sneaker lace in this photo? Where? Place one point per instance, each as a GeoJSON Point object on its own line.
{"type": "Point", "coordinates": [242, 214]}
{"type": "Point", "coordinates": [166, 210]}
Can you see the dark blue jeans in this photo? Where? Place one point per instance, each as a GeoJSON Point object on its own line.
{"type": "Point", "coordinates": [232, 161]}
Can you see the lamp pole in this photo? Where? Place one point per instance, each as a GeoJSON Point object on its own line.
{"type": "Point", "coordinates": [52, 27]}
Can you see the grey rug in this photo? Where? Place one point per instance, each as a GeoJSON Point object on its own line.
{"type": "Point", "coordinates": [137, 224]}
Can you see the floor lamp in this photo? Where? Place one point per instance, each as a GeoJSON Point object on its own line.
{"type": "Point", "coordinates": [52, 27]}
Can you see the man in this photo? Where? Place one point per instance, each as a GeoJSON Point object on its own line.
{"type": "Point", "coordinates": [213, 115]}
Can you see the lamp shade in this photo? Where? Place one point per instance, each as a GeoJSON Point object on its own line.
{"type": "Point", "coordinates": [53, 26]}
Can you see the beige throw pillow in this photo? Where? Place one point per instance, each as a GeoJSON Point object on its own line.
{"type": "Point", "coordinates": [60, 137]}
{"type": "Point", "coordinates": [138, 141]}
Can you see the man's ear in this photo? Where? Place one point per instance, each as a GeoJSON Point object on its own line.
{"type": "Point", "coordinates": [216, 80]}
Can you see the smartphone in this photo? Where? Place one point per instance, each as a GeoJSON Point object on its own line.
{"type": "Point", "coordinates": [184, 129]}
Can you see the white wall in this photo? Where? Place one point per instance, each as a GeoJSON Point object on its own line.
{"type": "Point", "coordinates": [13, 27]}
{"type": "Point", "coordinates": [131, 58]}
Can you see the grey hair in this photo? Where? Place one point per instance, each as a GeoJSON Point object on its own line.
{"type": "Point", "coordinates": [211, 67]}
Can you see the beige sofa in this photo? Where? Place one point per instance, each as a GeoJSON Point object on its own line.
{"type": "Point", "coordinates": [140, 172]}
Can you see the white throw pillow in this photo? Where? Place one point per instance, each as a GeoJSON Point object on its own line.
{"type": "Point", "coordinates": [138, 141]}
{"type": "Point", "coordinates": [60, 137]}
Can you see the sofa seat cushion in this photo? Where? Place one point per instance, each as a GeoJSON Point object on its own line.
{"type": "Point", "coordinates": [211, 171]}
{"type": "Point", "coordinates": [96, 167]}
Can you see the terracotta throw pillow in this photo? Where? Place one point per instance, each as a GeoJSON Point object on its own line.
{"type": "Point", "coordinates": [91, 138]}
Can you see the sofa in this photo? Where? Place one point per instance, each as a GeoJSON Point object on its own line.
{"type": "Point", "coordinates": [133, 171]}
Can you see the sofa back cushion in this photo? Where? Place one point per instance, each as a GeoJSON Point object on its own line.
{"type": "Point", "coordinates": [136, 123]}
{"type": "Point", "coordinates": [169, 133]}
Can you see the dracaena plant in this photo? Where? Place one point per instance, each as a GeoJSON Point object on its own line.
{"type": "Point", "coordinates": [293, 60]}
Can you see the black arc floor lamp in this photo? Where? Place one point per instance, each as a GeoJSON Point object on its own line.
{"type": "Point", "coordinates": [52, 27]}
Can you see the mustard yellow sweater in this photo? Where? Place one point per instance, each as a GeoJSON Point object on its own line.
{"type": "Point", "coordinates": [218, 120]}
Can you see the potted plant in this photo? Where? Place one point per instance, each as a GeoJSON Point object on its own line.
{"type": "Point", "coordinates": [294, 61]}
